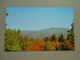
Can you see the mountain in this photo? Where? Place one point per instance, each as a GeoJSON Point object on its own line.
{"type": "Point", "coordinates": [45, 32]}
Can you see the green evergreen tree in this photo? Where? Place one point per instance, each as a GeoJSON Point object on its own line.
{"type": "Point", "coordinates": [6, 15]}
{"type": "Point", "coordinates": [47, 39]}
{"type": "Point", "coordinates": [53, 38]}
{"type": "Point", "coordinates": [61, 38]}
{"type": "Point", "coordinates": [70, 36]}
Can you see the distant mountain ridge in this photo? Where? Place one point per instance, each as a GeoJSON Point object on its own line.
{"type": "Point", "coordinates": [45, 32]}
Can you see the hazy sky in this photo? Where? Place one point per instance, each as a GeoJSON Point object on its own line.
{"type": "Point", "coordinates": [37, 18]}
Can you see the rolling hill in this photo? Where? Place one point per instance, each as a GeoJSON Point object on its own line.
{"type": "Point", "coordinates": [45, 32]}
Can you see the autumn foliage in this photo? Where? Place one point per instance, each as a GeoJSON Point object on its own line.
{"type": "Point", "coordinates": [15, 42]}
{"type": "Point", "coordinates": [40, 45]}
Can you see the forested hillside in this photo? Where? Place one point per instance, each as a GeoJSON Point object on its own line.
{"type": "Point", "coordinates": [45, 32]}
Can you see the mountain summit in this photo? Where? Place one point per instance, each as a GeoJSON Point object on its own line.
{"type": "Point", "coordinates": [45, 32]}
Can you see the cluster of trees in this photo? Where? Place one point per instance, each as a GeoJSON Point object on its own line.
{"type": "Point", "coordinates": [12, 42]}
{"type": "Point", "coordinates": [15, 42]}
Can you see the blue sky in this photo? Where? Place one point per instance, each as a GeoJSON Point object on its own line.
{"type": "Point", "coordinates": [37, 18]}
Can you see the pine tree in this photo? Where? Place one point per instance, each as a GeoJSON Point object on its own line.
{"type": "Point", "coordinates": [53, 38]}
{"type": "Point", "coordinates": [6, 15]}
{"type": "Point", "coordinates": [47, 39]}
{"type": "Point", "coordinates": [70, 36]}
{"type": "Point", "coordinates": [61, 38]}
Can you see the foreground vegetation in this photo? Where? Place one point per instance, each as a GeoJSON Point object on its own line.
{"type": "Point", "coordinates": [15, 42]}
